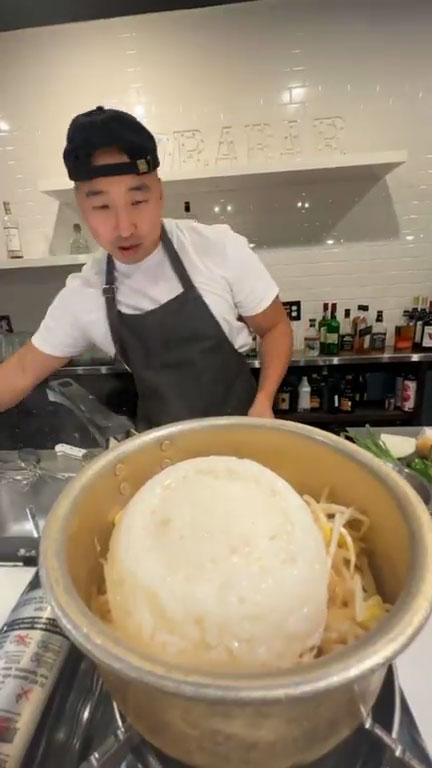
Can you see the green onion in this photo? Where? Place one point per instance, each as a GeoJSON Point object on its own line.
{"type": "Point", "coordinates": [372, 443]}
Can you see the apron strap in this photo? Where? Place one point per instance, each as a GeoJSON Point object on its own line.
{"type": "Point", "coordinates": [109, 292]}
{"type": "Point", "coordinates": [175, 260]}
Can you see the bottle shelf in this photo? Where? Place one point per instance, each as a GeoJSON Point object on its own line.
{"type": "Point", "coordinates": [374, 358]}
{"type": "Point", "coordinates": [48, 261]}
{"type": "Point", "coordinates": [360, 416]}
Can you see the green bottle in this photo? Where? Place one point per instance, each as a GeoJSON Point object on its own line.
{"type": "Point", "coordinates": [333, 331]}
{"type": "Point", "coordinates": [322, 327]}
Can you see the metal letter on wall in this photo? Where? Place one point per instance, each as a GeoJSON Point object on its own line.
{"type": "Point", "coordinates": [259, 141]}
{"type": "Point", "coordinates": [226, 148]}
{"type": "Point", "coordinates": [190, 147]}
{"type": "Point", "coordinates": [328, 133]}
{"type": "Point", "coordinates": [291, 144]}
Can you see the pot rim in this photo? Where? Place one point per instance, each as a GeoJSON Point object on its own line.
{"type": "Point", "coordinates": [374, 650]}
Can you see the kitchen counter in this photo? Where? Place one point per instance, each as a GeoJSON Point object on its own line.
{"type": "Point", "coordinates": [30, 482]}
{"type": "Point", "coordinates": [414, 665]}
{"type": "Point", "coordinates": [299, 359]}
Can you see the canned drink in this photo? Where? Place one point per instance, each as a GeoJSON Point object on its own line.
{"type": "Point", "coordinates": [33, 650]}
{"type": "Point", "coordinates": [390, 403]}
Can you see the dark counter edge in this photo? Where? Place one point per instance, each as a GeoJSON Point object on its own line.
{"type": "Point", "coordinates": [298, 360]}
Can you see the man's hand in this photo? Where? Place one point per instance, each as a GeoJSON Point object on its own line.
{"type": "Point", "coordinates": [261, 408]}
{"type": "Point", "coordinates": [21, 372]}
{"type": "Point", "coordinates": [274, 330]}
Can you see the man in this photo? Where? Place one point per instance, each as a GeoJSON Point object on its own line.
{"type": "Point", "coordinates": [175, 300]}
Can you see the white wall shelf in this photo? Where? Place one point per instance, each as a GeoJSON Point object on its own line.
{"type": "Point", "coordinates": [315, 169]}
{"type": "Point", "coordinates": [278, 205]}
{"type": "Point", "coordinates": [49, 261]}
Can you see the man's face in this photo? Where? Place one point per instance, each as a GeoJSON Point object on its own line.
{"type": "Point", "coordinates": [123, 213]}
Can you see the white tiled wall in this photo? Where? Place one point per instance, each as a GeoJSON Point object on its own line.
{"type": "Point", "coordinates": [269, 70]}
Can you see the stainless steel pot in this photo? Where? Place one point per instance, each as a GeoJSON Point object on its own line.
{"type": "Point", "coordinates": [292, 716]}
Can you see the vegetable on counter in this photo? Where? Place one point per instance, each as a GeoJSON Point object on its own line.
{"type": "Point", "coordinates": [424, 444]}
{"type": "Point", "coordinates": [379, 447]}
{"type": "Point", "coordinates": [372, 443]}
{"type": "Point", "coordinates": [423, 467]}
{"type": "Point", "coordinates": [399, 445]}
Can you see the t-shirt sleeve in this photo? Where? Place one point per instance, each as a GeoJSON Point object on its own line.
{"type": "Point", "coordinates": [252, 286]}
{"type": "Point", "coordinates": [61, 332]}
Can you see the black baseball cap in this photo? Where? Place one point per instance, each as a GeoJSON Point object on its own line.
{"type": "Point", "coordinates": [101, 128]}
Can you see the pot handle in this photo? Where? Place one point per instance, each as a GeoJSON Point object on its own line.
{"type": "Point", "coordinates": [114, 750]}
{"type": "Point", "coordinates": [404, 757]}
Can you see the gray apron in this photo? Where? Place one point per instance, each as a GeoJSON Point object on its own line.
{"type": "Point", "coordinates": [183, 363]}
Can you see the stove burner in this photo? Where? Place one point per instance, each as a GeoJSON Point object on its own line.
{"type": "Point", "coordinates": [82, 716]}
{"type": "Point", "coordinates": [359, 750]}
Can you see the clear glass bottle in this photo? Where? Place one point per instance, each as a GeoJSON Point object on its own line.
{"type": "Point", "coordinates": [312, 340]}
{"type": "Point", "coordinates": [78, 244]}
{"type": "Point", "coordinates": [12, 233]}
{"type": "Point", "coordinates": [304, 396]}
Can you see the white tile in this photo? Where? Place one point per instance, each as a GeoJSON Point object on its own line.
{"type": "Point", "coordinates": [184, 79]}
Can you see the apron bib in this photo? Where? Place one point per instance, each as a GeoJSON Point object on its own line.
{"type": "Point", "coordinates": [182, 361]}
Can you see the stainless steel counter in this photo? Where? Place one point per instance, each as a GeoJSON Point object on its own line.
{"type": "Point", "coordinates": [298, 360]}
{"type": "Point", "coordinates": [27, 493]}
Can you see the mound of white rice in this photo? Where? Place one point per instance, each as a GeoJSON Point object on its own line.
{"type": "Point", "coordinates": [217, 563]}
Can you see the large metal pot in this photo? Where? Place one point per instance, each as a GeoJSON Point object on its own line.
{"type": "Point", "coordinates": [277, 720]}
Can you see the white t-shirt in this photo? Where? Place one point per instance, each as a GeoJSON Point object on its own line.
{"type": "Point", "coordinates": [227, 273]}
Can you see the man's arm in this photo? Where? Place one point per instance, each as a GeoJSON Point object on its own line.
{"type": "Point", "coordinates": [274, 330]}
{"type": "Point", "coordinates": [21, 372]}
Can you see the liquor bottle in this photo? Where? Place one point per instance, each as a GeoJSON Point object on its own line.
{"type": "Point", "coordinates": [333, 329]}
{"type": "Point", "coordinates": [331, 396]}
{"type": "Point", "coordinates": [361, 389]}
{"type": "Point", "coordinates": [304, 396]}
{"type": "Point", "coordinates": [252, 352]}
{"type": "Point", "coordinates": [414, 310]}
{"type": "Point", "coordinates": [426, 341]}
{"type": "Point", "coordinates": [362, 330]}
{"type": "Point", "coordinates": [322, 327]}
{"type": "Point", "coordinates": [78, 245]}
{"type": "Point", "coordinates": [346, 335]}
{"type": "Point", "coordinates": [347, 396]}
{"type": "Point", "coordinates": [404, 333]}
{"type": "Point", "coordinates": [379, 333]}
{"type": "Point", "coordinates": [312, 340]}
{"type": "Point", "coordinates": [421, 317]}
{"type": "Point", "coordinates": [12, 234]}
{"type": "Point", "coordinates": [398, 389]}
{"type": "Point", "coordinates": [283, 398]}
{"type": "Point", "coordinates": [316, 395]}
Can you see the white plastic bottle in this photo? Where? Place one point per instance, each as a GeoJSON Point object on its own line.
{"type": "Point", "coordinates": [304, 395]}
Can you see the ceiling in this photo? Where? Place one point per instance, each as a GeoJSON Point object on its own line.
{"type": "Point", "coordinates": [19, 14]}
